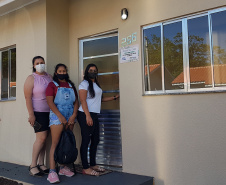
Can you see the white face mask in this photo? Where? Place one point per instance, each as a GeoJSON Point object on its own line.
{"type": "Point", "coordinates": [40, 68]}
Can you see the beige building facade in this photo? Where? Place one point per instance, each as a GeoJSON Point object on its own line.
{"type": "Point", "coordinates": [176, 137]}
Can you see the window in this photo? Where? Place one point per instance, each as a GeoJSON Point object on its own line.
{"type": "Point", "coordinates": [8, 73]}
{"type": "Point", "coordinates": [186, 55]}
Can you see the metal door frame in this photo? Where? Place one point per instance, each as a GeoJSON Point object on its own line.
{"type": "Point", "coordinates": [81, 58]}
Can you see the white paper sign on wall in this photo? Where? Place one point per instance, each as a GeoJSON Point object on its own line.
{"type": "Point", "coordinates": [129, 54]}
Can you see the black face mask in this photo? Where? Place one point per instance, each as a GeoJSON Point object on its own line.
{"type": "Point", "coordinates": [63, 76]}
{"type": "Point", "coordinates": [92, 75]}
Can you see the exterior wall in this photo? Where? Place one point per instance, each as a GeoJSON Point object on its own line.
{"type": "Point", "coordinates": [25, 28]}
{"type": "Point", "coordinates": [38, 29]}
{"type": "Point", "coordinates": [57, 39]}
{"type": "Point", "coordinates": [57, 19]}
{"type": "Point", "coordinates": [178, 139]}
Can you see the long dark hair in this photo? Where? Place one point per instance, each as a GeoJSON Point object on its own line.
{"type": "Point", "coordinates": [91, 90]}
{"type": "Point", "coordinates": [33, 61]}
{"type": "Point", "coordinates": [55, 78]}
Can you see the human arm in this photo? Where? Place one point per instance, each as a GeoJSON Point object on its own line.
{"type": "Point", "coordinates": [105, 99]}
{"type": "Point", "coordinates": [75, 112]}
{"type": "Point", "coordinates": [83, 96]}
{"type": "Point", "coordinates": [28, 90]}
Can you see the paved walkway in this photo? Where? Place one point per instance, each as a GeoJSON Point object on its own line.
{"type": "Point", "coordinates": [20, 173]}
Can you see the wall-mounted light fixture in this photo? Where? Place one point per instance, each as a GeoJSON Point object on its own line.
{"type": "Point", "coordinates": [124, 14]}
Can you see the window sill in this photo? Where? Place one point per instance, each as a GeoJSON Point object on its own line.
{"type": "Point", "coordinates": [183, 93]}
{"type": "Point", "coordinates": [10, 99]}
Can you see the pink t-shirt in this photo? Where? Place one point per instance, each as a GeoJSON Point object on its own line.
{"type": "Point", "coordinates": [39, 97]}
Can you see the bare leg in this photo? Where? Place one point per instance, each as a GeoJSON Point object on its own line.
{"type": "Point", "coordinates": [56, 131]}
{"type": "Point", "coordinates": [37, 147]}
{"type": "Point", "coordinates": [42, 155]}
{"type": "Point", "coordinates": [41, 158]}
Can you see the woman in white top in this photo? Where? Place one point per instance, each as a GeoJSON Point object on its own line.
{"type": "Point", "coordinates": [90, 95]}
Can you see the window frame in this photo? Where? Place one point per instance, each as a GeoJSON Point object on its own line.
{"type": "Point", "coordinates": [82, 58]}
{"type": "Point", "coordinates": [9, 48]}
{"type": "Point", "coordinates": [118, 163]}
{"type": "Point", "coordinates": [186, 69]}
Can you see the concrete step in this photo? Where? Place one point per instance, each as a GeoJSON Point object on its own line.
{"type": "Point", "coordinates": [20, 173]}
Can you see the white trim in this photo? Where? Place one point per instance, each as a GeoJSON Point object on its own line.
{"type": "Point", "coordinates": [185, 54]}
{"type": "Point", "coordinates": [162, 58]}
{"type": "Point", "coordinates": [94, 37]}
{"type": "Point", "coordinates": [4, 2]}
{"type": "Point", "coordinates": [0, 75]}
{"type": "Point", "coordinates": [100, 56]}
{"type": "Point", "coordinates": [9, 73]}
{"type": "Point", "coordinates": [211, 47]}
{"type": "Point", "coordinates": [100, 36]}
{"type": "Point", "coordinates": [18, 7]}
{"type": "Point", "coordinates": [108, 73]}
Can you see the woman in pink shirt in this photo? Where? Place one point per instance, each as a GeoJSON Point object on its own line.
{"type": "Point", "coordinates": [38, 109]}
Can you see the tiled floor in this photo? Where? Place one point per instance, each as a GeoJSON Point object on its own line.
{"type": "Point", "coordinates": [18, 172]}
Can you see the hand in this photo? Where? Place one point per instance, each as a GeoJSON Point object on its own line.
{"type": "Point", "coordinates": [71, 120]}
{"type": "Point", "coordinates": [63, 120]}
{"type": "Point", "coordinates": [89, 121]}
{"type": "Point", "coordinates": [117, 96]}
{"type": "Point", "coordinates": [31, 119]}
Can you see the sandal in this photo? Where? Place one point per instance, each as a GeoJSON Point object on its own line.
{"type": "Point", "coordinates": [46, 171]}
{"type": "Point", "coordinates": [39, 174]}
{"type": "Point", "coordinates": [98, 169]}
{"type": "Point", "coordinates": [93, 173]}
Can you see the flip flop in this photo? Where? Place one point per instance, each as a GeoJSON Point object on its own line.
{"type": "Point", "coordinates": [93, 173]}
{"type": "Point", "coordinates": [98, 169]}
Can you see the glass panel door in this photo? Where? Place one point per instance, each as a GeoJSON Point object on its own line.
{"type": "Point", "coordinates": [103, 52]}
